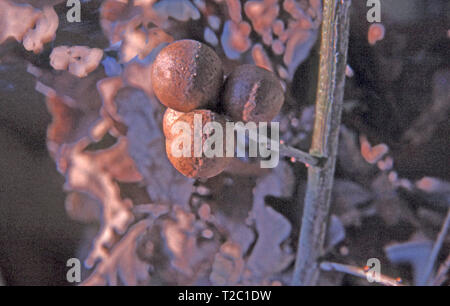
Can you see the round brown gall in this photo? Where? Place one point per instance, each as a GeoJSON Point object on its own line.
{"type": "Point", "coordinates": [187, 75]}
{"type": "Point", "coordinates": [252, 94]}
{"type": "Point", "coordinates": [211, 160]}
{"type": "Point", "coordinates": [170, 117]}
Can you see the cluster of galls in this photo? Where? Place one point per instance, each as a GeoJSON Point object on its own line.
{"type": "Point", "coordinates": [188, 78]}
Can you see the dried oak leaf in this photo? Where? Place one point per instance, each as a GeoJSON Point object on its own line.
{"type": "Point", "coordinates": [434, 191]}
{"type": "Point", "coordinates": [388, 203]}
{"type": "Point", "coordinates": [74, 104]}
{"type": "Point", "coordinates": [146, 146]}
{"type": "Point", "coordinates": [414, 252]}
{"type": "Point", "coordinates": [39, 3]}
{"type": "Point", "coordinates": [182, 10]}
{"type": "Point", "coordinates": [228, 265]}
{"type": "Point", "coordinates": [23, 22]}
{"type": "Point", "coordinates": [139, 42]}
{"type": "Point", "coordinates": [267, 257]}
{"type": "Point", "coordinates": [134, 27]}
{"type": "Point", "coordinates": [188, 254]}
{"type": "Point", "coordinates": [423, 128]}
{"type": "Point", "coordinates": [135, 74]}
{"type": "Point", "coordinates": [43, 32]}
{"type": "Point", "coordinates": [228, 212]}
{"type": "Point", "coordinates": [123, 266]}
{"type": "Point", "coordinates": [177, 252]}
{"type": "Point", "coordinates": [16, 20]}
{"type": "Point", "coordinates": [372, 154]}
{"type": "Point", "coordinates": [349, 157]}
{"type": "Point", "coordinates": [78, 60]}
{"type": "Point", "coordinates": [347, 196]}
{"type": "Point", "coordinates": [82, 207]}
{"type": "Point", "coordinates": [96, 173]}
{"type": "Point", "coordinates": [78, 93]}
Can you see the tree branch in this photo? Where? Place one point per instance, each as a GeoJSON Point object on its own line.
{"type": "Point", "coordinates": [285, 150]}
{"type": "Point", "coordinates": [299, 155]}
{"type": "Point", "coordinates": [330, 91]}
{"type": "Point", "coordinates": [382, 279]}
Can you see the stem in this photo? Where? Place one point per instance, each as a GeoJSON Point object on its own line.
{"type": "Point", "coordinates": [285, 150]}
{"type": "Point", "coordinates": [330, 92]}
{"type": "Point", "coordinates": [436, 248]}
{"type": "Point", "coordinates": [299, 155]}
{"type": "Point", "coordinates": [356, 271]}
